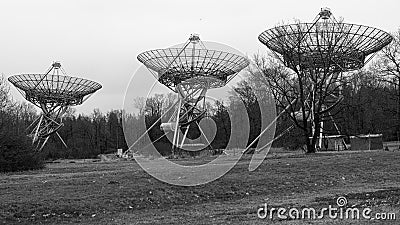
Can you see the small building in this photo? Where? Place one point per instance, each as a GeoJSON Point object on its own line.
{"type": "Point", "coordinates": [332, 143]}
{"type": "Point", "coordinates": [366, 142]}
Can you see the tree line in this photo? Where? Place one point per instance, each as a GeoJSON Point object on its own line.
{"type": "Point", "coordinates": [370, 105]}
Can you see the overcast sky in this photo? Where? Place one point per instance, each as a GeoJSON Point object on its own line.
{"type": "Point", "coordinates": [99, 40]}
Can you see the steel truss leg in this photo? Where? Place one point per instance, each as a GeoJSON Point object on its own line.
{"type": "Point", "coordinates": [187, 112]}
{"type": "Point", "coordinates": [47, 124]}
{"type": "Point", "coordinates": [190, 110]}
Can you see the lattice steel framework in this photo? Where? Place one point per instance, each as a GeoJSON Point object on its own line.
{"type": "Point", "coordinates": [53, 92]}
{"type": "Point", "coordinates": [326, 48]}
{"type": "Point", "coordinates": [190, 71]}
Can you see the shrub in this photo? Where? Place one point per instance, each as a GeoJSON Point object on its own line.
{"type": "Point", "coordinates": [17, 154]}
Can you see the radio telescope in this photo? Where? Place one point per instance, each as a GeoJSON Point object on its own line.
{"type": "Point", "coordinates": [190, 71]}
{"type": "Point", "coordinates": [53, 92]}
{"type": "Point", "coordinates": [320, 52]}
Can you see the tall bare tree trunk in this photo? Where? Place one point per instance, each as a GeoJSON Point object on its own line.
{"type": "Point", "coordinates": [398, 109]}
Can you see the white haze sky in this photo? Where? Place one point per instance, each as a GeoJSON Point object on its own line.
{"type": "Point", "coordinates": [99, 40]}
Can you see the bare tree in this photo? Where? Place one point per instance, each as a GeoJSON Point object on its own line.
{"type": "Point", "coordinates": [4, 93]}
{"type": "Point", "coordinates": [4, 101]}
{"type": "Point", "coordinates": [140, 104]}
{"type": "Point", "coordinates": [306, 96]}
{"type": "Point", "coordinates": [387, 65]}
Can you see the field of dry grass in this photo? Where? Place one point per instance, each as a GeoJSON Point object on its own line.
{"type": "Point", "coordinates": [122, 193]}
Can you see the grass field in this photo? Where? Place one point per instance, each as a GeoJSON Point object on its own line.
{"type": "Point", "coordinates": [122, 193]}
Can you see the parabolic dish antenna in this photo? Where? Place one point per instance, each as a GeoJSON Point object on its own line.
{"type": "Point", "coordinates": [325, 41]}
{"type": "Point", "coordinates": [190, 71]}
{"type": "Point", "coordinates": [321, 51]}
{"type": "Point", "coordinates": [53, 92]}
